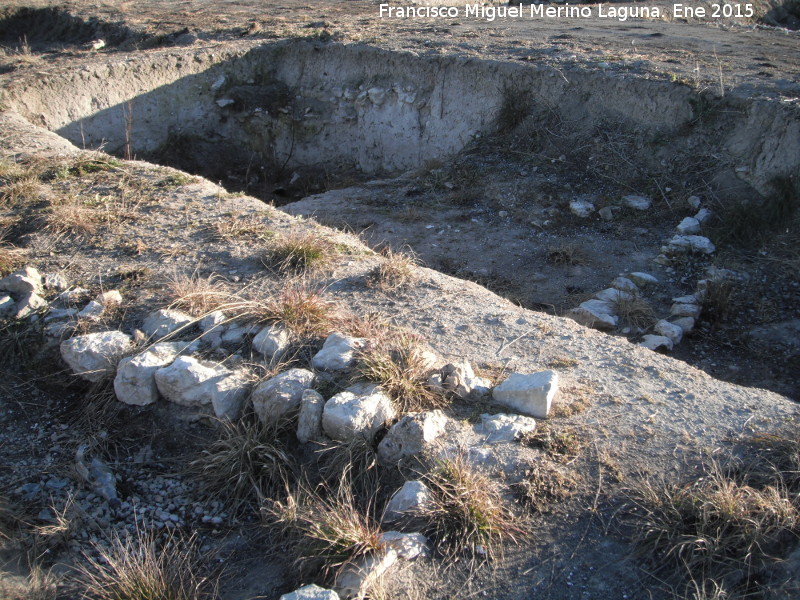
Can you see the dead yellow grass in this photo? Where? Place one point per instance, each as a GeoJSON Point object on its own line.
{"type": "Point", "coordinates": [399, 363]}
{"type": "Point", "coordinates": [196, 294]}
{"type": "Point", "coordinates": [395, 271]}
{"type": "Point", "coordinates": [72, 216]}
{"type": "Point", "coordinates": [299, 253]}
{"type": "Point", "coordinates": [10, 257]}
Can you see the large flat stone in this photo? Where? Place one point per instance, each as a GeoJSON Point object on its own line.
{"type": "Point", "coordinates": [95, 355]}
{"type": "Point", "coordinates": [528, 394]}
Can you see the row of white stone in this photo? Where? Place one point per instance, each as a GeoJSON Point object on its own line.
{"type": "Point", "coordinates": [600, 311]}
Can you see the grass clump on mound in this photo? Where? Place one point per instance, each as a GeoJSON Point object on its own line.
{"type": "Point", "coordinates": [400, 365]}
{"type": "Point", "coordinates": [140, 567]}
{"type": "Point", "coordinates": [352, 464]}
{"type": "Point", "coordinates": [721, 530]}
{"type": "Point", "coordinates": [248, 463]}
{"type": "Point", "coordinates": [466, 514]}
{"type": "Point", "coordinates": [301, 309]}
{"type": "Point", "coordinates": [394, 272]}
{"type": "Point", "coordinates": [196, 294]}
{"type": "Point", "coordinates": [298, 253]}
{"type": "Point", "coordinates": [327, 530]}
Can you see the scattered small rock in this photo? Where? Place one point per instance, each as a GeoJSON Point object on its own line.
{"type": "Point", "coordinates": [23, 282]}
{"type": "Point", "coordinates": [685, 323]}
{"type": "Point", "coordinates": [110, 298]}
{"type": "Point", "coordinates": [689, 226]}
{"type": "Point", "coordinates": [30, 304]}
{"type": "Point", "coordinates": [656, 342]}
{"type": "Point", "coordinates": [503, 428]}
{"type": "Point", "coordinates": [92, 311]}
{"type": "Point", "coordinates": [595, 313]}
{"type": "Point", "coordinates": [309, 419]}
{"type": "Point", "coordinates": [162, 322]}
{"type": "Point", "coordinates": [408, 546]}
{"type": "Point", "coordinates": [459, 379]}
{"type": "Point", "coordinates": [212, 320]}
{"type": "Point", "coordinates": [411, 435]}
{"type": "Point", "coordinates": [637, 202]}
{"type": "Point", "coordinates": [671, 330]}
{"type": "Point", "coordinates": [73, 296]}
{"type": "Point", "coordinates": [135, 381]}
{"type": "Point", "coordinates": [311, 592]}
{"type": "Point", "coordinates": [338, 353]}
{"type": "Point", "coordinates": [272, 342]}
{"type": "Point", "coordinates": [685, 309]}
{"type": "Point", "coordinates": [191, 382]}
{"type": "Point", "coordinates": [360, 410]}
{"type": "Point", "coordinates": [581, 208]}
{"type": "Point", "coordinates": [702, 216]}
{"type": "Point", "coordinates": [55, 281]}
{"type": "Point", "coordinates": [689, 243]}
{"type": "Point", "coordinates": [612, 295]}
{"type": "Point", "coordinates": [408, 501]}
{"type": "Point", "coordinates": [625, 284]}
{"type": "Point", "coordinates": [606, 213]}
{"type": "Point", "coordinates": [642, 279]}
{"type": "Point", "coordinates": [280, 396]}
{"type": "Point", "coordinates": [356, 578]}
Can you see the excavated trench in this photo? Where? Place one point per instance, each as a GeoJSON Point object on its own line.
{"type": "Point", "coordinates": [478, 161]}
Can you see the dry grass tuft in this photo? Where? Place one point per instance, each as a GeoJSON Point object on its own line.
{"type": "Point", "coordinates": [722, 299]}
{"type": "Point", "coordinates": [300, 309]}
{"type": "Point", "coordinates": [543, 486]}
{"type": "Point", "coordinates": [352, 465]}
{"type": "Point", "coordinates": [636, 313]}
{"type": "Point", "coordinates": [233, 227]}
{"type": "Point", "coordinates": [568, 254]}
{"type": "Point", "coordinates": [17, 192]}
{"type": "Point", "coordinates": [10, 257]}
{"type": "Point", "coordinates": [196, 294]}
{"type": "Point", "coordinates": [42, 584]}
{"type": "Point", "coordinates": [740, 516]}
{"type": "Point", "coordinates": [73, 216]}
{"type": "Point", "coordinates": [247, 464]}
{"type": "Point", "coordinates": [54, 536]}
{"type": "Point", "coordinates": [372, 325]}
{"type": "Point", "coordinates": [712, 527]}
{"type": "Point", "coordinates": [326, 533]}
{"type": "Point", "coordinates": [10, 171]}
{"type": "Point", "coordinates": [400, 365]}
{"type": "Point", "coordinates": [395, 271]}
{"type": "Point", "coordinates": [563, 445]}
{"type": "Point", "coordinates": [142, 568]}
{"type": "Point", "coordinates": [20, 342]}
{"type": "Point", "coordinates": [773, 460]}
{"type": "Point", "coordinates": [467, 514]}
{"type": "Point", "coordinates": [298, 253]}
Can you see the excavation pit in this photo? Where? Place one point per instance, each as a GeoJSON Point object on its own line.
{"type": "Point", "coordinates": [478, 166]}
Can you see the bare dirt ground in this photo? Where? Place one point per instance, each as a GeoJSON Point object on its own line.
{"type": "Point", "coordinates": [634, 412]}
